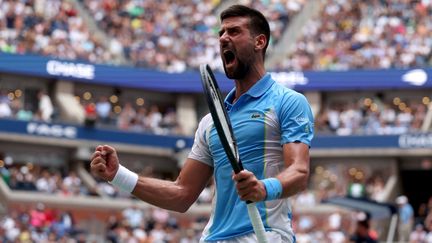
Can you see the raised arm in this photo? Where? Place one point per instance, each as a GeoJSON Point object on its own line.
{"type": "Point", "coordinates": [176, 195]}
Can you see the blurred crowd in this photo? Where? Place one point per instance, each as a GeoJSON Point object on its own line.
{"type": "Point", "coordinates": [154, 225]}
{"type": "Point", "coordinates": [172, 36]}
{"type": "Point", "coordinates": [157, 225]}
{"type": "Point", "coordinates": [369, 116]}
{"type": "Point", "coordinates": [101, 112]}
{"type": "Point", "coordinates": [350, 34]}
{"type": "Point", "coordinates": [43, 179]}
{"type": "Point", "coordinates": [414, 225]}
{"type": "Point", "coordinates": [175, 36]}
{"type": "Point", "coordinates": [131, 116]}
{"type": "Point", "coordinates": [13, 106]}
{"type": "Point", "coordinates": [49, 28]}
{"type": "Point", "coordinates": [362, 116]}
{"type": "Point", "coordinates": [37, 224]}
{"type": "Point", "coordinates": [43, 224]}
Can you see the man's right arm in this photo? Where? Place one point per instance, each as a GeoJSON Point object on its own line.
{"type": "Point", "coordinates": [180, 194]}
{"type": "Point", "coordinates": [176, 195]}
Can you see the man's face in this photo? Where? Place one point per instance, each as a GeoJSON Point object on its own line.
{"type": "Point", "coordinates": [236, 47]}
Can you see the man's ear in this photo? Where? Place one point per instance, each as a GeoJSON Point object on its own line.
{"type": "Point", "coordinates": [260, 42]}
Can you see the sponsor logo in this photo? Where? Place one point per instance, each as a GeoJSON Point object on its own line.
{"type": "Point", "coordinates": [256, 115]}
{"type": "Point", "coordinates": [415, 141]}
{"type": "Point", "coordinates": [302, 119]}
{"type": "Point", "coordinates": [417, 77]}
{"type": "Point", "coordinates": [57, 131]}
{"type": "Point", "coordinates": [307, 129]}
{"type": "Point", "coordinates": [290, 79]}
{"type": "Point", "coordinates": [70, 69]}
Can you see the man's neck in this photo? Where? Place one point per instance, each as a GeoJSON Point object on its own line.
{"type": "Point", "coordinates": [253, 76]}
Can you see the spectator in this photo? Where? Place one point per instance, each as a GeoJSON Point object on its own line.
{"type": "Point", "coordinates": [127, 114]}
{"type": "Point", "coordinates": [154, 119]}
{"type": "Point", "coordinates": [5, 110]}
{"type": "Point", "coordinates": [418, 235]}
{"type": "Point", "coordinates": [62, 225]}
{"type": "Point", "coordinates": [46, 183]}
{"type": "Point", "coordinates": [428, 237]}
{"type": "Point", "coordinates": [24, 113]}
{"type": "Point", "coordinates": [362, 232]}
{"type": "Point", "coordinates": [335, 234]}
{"type": "Point", "coordinates": [190, 237]}
{"type": "Point", "coordinates": [376, 189]}
{"type": "Point", "coordinates": [38, 217]}
{"type": "Point", "coordinates": [406, 218]}
{"type": "Point", "coordinates": [134, 216]}
{"type": "Point", "coordinates": [72, 183]}
{"type": "Point", "coordinates": [90, 114]}
{"type": "Point", "coordinates": [45, 106]}
{"type": "Point", "coordinates": [305, 199]}
{"type": "Point", "coordinates": [206, 195]}
{"type": "Point", "coordinates": [103, 110]}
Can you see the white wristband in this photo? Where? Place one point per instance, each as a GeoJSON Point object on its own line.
{"type": "Point", "coordinates": [125, 179]}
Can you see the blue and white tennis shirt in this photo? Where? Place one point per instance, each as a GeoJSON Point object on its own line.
{"type": "Point", "coordinates": [263, 119]}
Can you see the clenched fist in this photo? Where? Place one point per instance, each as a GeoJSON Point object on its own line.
{"type": "Point", "coordinates": [249, 188]}
{"type": "Point", "coordinates": [104, 162]}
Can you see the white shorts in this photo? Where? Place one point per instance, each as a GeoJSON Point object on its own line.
{"type": "Point", "coordinates": [272, 237]}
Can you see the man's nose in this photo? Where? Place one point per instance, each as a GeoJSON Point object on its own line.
{"type": "Point", "coordinates": [223, 38]}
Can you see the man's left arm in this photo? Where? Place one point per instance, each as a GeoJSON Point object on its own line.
{"type": "Point", "coordinates": [292, 179]}
{"type": "Point", "coordinates": [296, 135]}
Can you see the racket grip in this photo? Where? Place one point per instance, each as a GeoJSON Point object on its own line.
{"type": "Point", "coordinates": [257, 223]}
{"type": "Point", "coordinates": [240, 164]}
{"type": "Point", "coordinates": [237, 167]}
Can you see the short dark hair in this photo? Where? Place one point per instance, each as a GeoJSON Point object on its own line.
{"type": "Point", "coordinates": [258, 24]}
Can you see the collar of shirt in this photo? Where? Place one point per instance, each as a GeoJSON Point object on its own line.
{"type": "Point", "coordinates": [257, 90]}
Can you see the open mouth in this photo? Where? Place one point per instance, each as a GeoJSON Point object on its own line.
{"type": "Point", "coordinates": [229, 57]}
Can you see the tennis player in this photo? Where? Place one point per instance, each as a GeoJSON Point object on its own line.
{"type": "Point", "coordinates": [273, 126]}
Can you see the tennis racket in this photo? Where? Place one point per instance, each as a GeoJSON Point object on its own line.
{"type": "Point", "coordinates": [224, 130]}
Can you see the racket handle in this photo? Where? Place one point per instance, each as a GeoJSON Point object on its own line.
{"type": "Point", "coordinates": [257, 223]}
{"type": "Point", "coordinates": [240, 164]}
{"type": "Point", "coordinates": [237, 167]}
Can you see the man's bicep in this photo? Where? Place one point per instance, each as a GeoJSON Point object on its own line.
{"type": "Point", "coordinates": [194, 176]}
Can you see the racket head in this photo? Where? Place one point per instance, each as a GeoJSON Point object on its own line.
{"type": "Point", "coordinates": [220, 116]}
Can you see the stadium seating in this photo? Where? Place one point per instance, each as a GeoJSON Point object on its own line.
{"type": "Point", "coordinates": [359, 35]}
{"type": "Point", "coordinates": [371, 117]}
{"type": "Point", "coordinates": [49, 28]}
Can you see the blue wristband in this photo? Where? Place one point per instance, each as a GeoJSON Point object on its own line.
{"type": "Point", "coordinates": [273, 187]}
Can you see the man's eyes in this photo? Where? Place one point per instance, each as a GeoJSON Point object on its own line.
{"type": "Point", "coordinates": [230, 32]}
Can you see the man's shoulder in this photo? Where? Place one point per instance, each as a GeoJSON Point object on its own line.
{"type": "Point", "coordinates": [205, 122]}
{"type": "Point", "coordinates": [281, 92]}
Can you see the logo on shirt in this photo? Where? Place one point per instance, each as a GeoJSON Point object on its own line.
{"type": "Point", "coordinates": [256, 115]}
{"type": "Point", "coordinates": [302, 119]}
{"type": "Point", "coordinates": [307, 129]}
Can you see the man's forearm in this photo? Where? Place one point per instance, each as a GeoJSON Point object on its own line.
{"type": "Point", "coordinates": [294, 179]}
{"type": "Point", "coordinates": [164, 194]}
